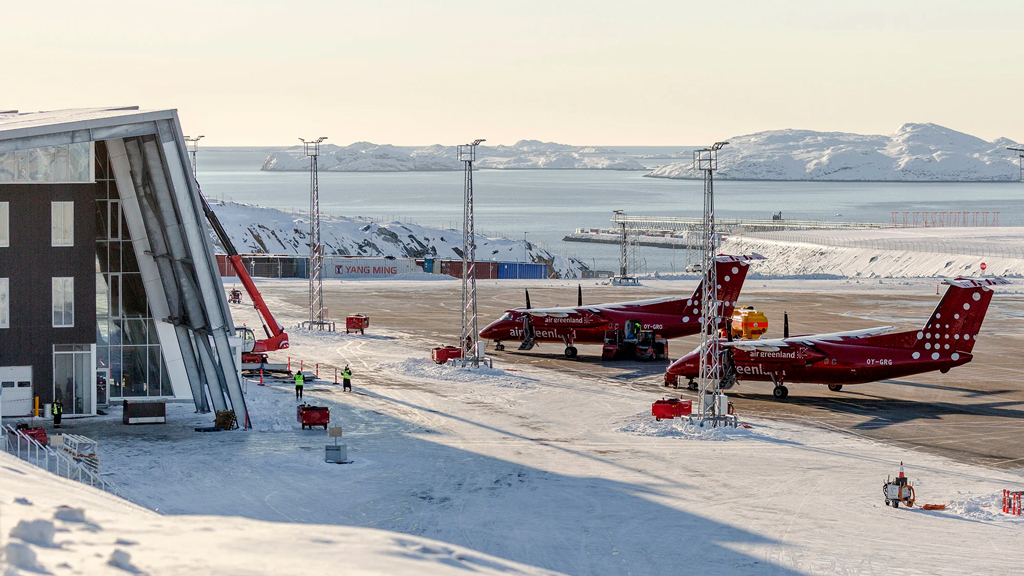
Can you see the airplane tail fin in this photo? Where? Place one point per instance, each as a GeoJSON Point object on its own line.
{"type": "Point", "coordinates": [956, 321]}
{"type": "Point", "coordinates": [731, 272]}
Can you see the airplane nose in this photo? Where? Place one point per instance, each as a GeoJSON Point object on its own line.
{"type": "Point", "coordinates": [488, 331]}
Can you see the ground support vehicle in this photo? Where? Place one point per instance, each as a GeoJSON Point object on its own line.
{"type": "Point", "coordinates": [313, 416]}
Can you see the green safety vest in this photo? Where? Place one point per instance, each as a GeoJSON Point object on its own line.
{"type": "Point", "coordinates": [298, 379]}
{"type": "Point", "coordinates": [56, 408]}
{"type": "Point", "coordinates": [346, 374]}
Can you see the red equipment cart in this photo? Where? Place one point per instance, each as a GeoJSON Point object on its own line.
{"type": "Point", "coordinates": [671, 408]}
{"type": "Point", "coordinates": [313, 416]}
{"type": "Point", "coordinates": [441, 355]}
{"type": "Point", "coordinates": [357, 323]}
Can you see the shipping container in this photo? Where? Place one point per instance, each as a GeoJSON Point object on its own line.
{"type": "Point", "coordinates": [522, 271]}
{"type": "Point", "coordinates": [368, 268]}
{"type": "Point", "coordinates": [428, 265]}
{"type": "Point", "coordinates": [452, 268]}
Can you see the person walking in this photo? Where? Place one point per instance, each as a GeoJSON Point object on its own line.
{"type": "Point", "coordinates": [57, 410]}
{"type": "Point", "coordinates": [299, 381]}
{"type": "Point", "coordinates": [346, 382]}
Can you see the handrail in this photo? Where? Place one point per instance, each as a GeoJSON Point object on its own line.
{"type": "Point", "coordinates": [27, 448]}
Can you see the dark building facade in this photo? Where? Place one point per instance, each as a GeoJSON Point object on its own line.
{"type": "Point", "coordinates": [109, 287]}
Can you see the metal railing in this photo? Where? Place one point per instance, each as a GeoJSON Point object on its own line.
{"type": "Point", "coordinates": [27, 448]}
{"type": "Point", "coordinates": [666, 223]}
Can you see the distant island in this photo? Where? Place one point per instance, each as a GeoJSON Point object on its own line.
{"type": "Point", "coordinates": [523, 155]}
{"type": "Point", "coordinates": [915, 153]}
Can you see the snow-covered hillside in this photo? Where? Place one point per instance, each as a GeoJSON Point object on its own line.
{"type": "Point", "coordinates": [525, 154]}
{"type": "Point", "coordinates": [258, 230]}
{"type": "Point", "coordinates": [885, 253]}
{"type": "Point", "coordinates": [916, 152]}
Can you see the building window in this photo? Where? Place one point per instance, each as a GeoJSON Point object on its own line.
{"type": "Point", "coordinates": [63, 302]}
{"type": "Point", "coordinates": [66, 163]}
{"type": "Point", "coordinates": [5, 225]}
{"type": "Point", "coordinates": [5, 306]}
{"type": "Point", "coordinates": [62, 223]}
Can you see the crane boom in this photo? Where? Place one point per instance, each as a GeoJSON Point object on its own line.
{"type": "Point", "coordinates": [277, 338]}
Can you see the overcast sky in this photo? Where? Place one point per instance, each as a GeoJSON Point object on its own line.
{"type": "Point", "coordinates": [250, 72]}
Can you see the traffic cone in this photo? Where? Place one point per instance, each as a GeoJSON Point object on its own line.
{"type": "Point", "coordinates": [901, 470]}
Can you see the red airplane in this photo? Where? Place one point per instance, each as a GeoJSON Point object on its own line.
{"type": "Point", "coordinates": [668, 317]}
{"type": "Point", "coordinates": [858, 356]}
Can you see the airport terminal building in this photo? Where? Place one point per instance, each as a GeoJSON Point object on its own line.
{"type": "Point", "coordinates": [109, 288]}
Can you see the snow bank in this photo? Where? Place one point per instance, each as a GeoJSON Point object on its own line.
{"type": "Point", "coordinates": [257, 230]}
{"type": "Point", "coordinates": [107, 535]}
{"type": "Point", "coordinates": [916, 152]}
{"type": "Point", "coordinates": [523, 155]}
{"type": "Point", "coordinates": [887, 253]}
{"type": "Point", "coordinates": [428, 370]}
{"type": "Point", "coordinates": [644, 424]}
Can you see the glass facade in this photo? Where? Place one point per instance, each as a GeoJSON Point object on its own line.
{"type": "Point", "coordinates": [128, 352]}
{"type": "Point", "coordinates": [49, 164]}
{"type": "Point", "coordinates": [72, 377]}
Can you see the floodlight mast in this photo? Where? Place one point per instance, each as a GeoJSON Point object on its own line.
{"type": "Point", "coordinates": [193, 149]}
{"type": "Point", "coordinates": [710, 378]}
{"type": "Point", "coordinates": [470, 332]}
{"type": "Point", "coordinates": [1020, 160]}
{"type": "Point", "coordinates": [316, 249]}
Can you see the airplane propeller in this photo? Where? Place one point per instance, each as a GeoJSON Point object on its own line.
{"type": "Point", "coordinates": [528, 307]}
{"type": "Point", "coordinates": [785, 324]}
{"type": "Point", "coordinates": [579, 295]}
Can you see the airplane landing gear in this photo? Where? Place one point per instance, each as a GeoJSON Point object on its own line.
{"type": "Point", "coordinates": [835, 387]}
{"type": "Point", "coordinates": [499, 346]}
{"type": "Point", "coordinates": [691, 385]}
{"type": "Point", "coordinates": [780, 391]}
{"type": "Point", "coordinates": [570, 351]}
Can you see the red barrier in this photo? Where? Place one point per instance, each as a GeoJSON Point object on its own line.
{"type": "Point", "coordinates": [1012, 502]}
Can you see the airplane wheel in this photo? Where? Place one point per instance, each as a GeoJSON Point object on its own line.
{"type": "Point", "coordinates": [499, 347]}
{"type": "Point", "coordinates": [691, 385]}
{"type": "Point", "coordinates": [570, 352]}
{"type": "Point", "coordinates": [835, 387]}
{"type": "Point", "coordinates": [780, 392]}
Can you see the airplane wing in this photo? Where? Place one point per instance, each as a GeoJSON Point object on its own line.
{"type": "Point", "coordinates": [840, 336]}
{"type": "Point", "coordinates": [561, 312]}
{"type": "Point", "coordinates": [775, 344]}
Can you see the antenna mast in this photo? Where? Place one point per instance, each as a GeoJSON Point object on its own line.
{"type": "Point", "coordinates": [710, 399]}
{"type": "Point", "coordinates": [470, 347]}
{"type": "Point", "coordinates": [316, 248]}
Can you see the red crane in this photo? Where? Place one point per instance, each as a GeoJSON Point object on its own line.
{"type": "Point", "coordinates": [255, 351]}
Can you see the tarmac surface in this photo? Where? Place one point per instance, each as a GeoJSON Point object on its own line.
{"type": "Point", "coordinates": [974, 413]}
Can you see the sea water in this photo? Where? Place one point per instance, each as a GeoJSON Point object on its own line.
{"type": "Point", "coordinates": [543, 206]}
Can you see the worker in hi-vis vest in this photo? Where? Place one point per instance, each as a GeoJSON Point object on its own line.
{"type": "Point", "coordinates": [57, 410]}
{"type": "Point", "coordinates": [346, 381]}
{"type": "Point", "coordinates": [298, 385]}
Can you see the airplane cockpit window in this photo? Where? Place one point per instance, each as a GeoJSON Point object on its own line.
{"type": "Point", "coordinates": [506, 316]}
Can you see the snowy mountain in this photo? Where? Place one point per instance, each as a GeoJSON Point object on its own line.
{"type": "Point", "coordinates": [915, 153]}
{"type": "Point", "coordinates": [258, 230]}
{"type": "Point", "coordinates": [523, 155]}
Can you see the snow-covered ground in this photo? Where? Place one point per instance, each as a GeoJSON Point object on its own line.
{"type": "Point", "coordinates": [523, 155]}
{"type": "Point", "coordinates": [916, 152]}
{"type": "Point", "coordinates": [258, 230]}
{"type": "Point", "coordinates": [556, 470]}
{"type": "Point", "coordinates": [886, 253]}
{"type": "Point", "coordinates": [56, 526]}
